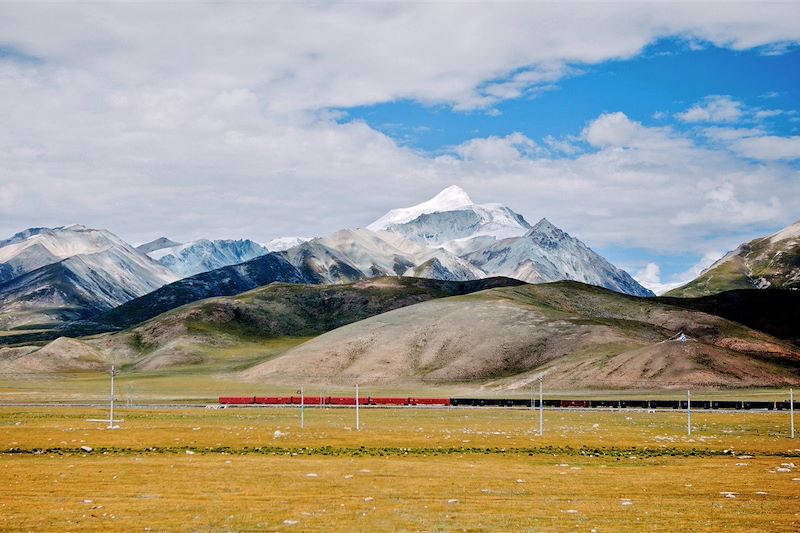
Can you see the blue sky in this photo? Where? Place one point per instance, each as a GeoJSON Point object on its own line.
{"type": "Point", "coordinates": [667, 77]}
{"type": "Point", "coordinates": [661, 134]}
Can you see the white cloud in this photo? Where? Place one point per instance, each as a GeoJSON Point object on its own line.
{"type": "Point", "coordinates": [769, 147]}
{"type": "Point", "coordinates": [613, 130]}
{"type": "Point", "coordinates": [498, 150]}
{"type": "Point", "coordinates": [713, 109]}
{"type": "Point", "coordinates": [722, 204]}
{"type": "Point", "coordinates": [650, 275]}
{"type": "Point", "coordinates": [767, 113]}
{"type": "Point", "coordinates": [731, 134]}
{"type": "Point", "coordinates": [214, 119]}
{"type": "Point", "coordinates": [297, 56]}
{"type": "Point", "coordinates": [756, 144]}
{"type": "Point", "coordinates": [565, 146]}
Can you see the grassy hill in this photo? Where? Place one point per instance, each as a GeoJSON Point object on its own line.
{"type": "Point", "coordinates": [229, 332]}
{"type": "Point", "coordinates": [768, 262]}
{"type": "Point", "coordinates": [409, 332]}
{"type": "Point", "coordinates": [775, 312]}
{"type": "Point", "coordinates": [580, 336]}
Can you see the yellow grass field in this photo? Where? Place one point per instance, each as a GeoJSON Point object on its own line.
{"type": "Point", "coordinates": [254, 469]}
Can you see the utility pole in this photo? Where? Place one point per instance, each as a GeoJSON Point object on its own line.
{"type": "Point", "coordinates": [358, 421]}
{"type": "Point", "coordinates": [791, 412]}
{"type": "Point", "coordinates": [302, 409]}
{"type": "Point", "coordinates": [110, 419]}
{"type": "Point", "coordinates": [689, 412]}
{"type": "Point", "coordinates": [541, 406]}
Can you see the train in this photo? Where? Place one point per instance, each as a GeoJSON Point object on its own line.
{"type": "Point", "coordinates": [503, 402]}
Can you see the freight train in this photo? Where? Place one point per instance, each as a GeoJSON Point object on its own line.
{"type": "Point", "coordinates": [499, 402]}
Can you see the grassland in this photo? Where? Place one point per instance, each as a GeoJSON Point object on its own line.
{"type": "Point", "coordinates": [203, 384]}
{"type": "Point", "coordinates": [253, 469]}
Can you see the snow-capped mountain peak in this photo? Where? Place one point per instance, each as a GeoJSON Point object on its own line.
{"type": "Point", "coordinates": [36, 247]}
{"type": "Point", "coordinates": [284, 243]}
{"type": "Point", "coordinates": [544, 226]}
{"type": "Point", "coordinates": [450, 199]}
{"type": "Point", "coordinates": [450, 219]}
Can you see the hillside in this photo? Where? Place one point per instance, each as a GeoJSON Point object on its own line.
{"type": "Point", "coordinates": [768, 262]}
{"type": "Point", "coordinates": [77, 287]}
{"type": "Point", "coordinates": [579, 336]}
{"type": "Point", "coordinates": [225, 281]}
{"type": "Point", "coordinates": [775, 312]}
{"type": "Point", "coordinates": [252, 324]}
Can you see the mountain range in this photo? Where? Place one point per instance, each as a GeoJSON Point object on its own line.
{"type": "Point", "coordinates": [55, 275]}
{"type": "Point", "coordinates": [446, 291]}
{"type": "Point", "coordinates": [202, 255]}
{"type": "Point", "coordinates": [49, 276]}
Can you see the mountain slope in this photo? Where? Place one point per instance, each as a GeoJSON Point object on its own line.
{"type": "Point", "coordinates": [768, 262]}
{"type": "Point", "coordinates": [775, 312]}
{"type": "Point", "coordinates": [275, 311]}
{"type": "Point", "coordinates": [204, 255]}
{"type": "Point", "coordinates": [79, 286]}
{"type": "Point", "coordinates": [349, 255]}
{"type": "Point", "coordinates": [37, 247]}
{"type": "Point", "coordinates": [546, 254]}
{"type": "Point", "coordinates": [225, 281]}
{"type": "Point", "coordinates": [577, 335]}
{"type": "Point", "coordinates": [272, 315]}
{"type": "Point", "coordinates": [157, 244]}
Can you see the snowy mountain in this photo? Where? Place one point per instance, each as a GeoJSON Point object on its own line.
{"type": "Point", "coordinates": [70, 272]}
{"type": "Point", "coordinates": [36, 247]}
{"type": "Point", "coordinates": [452, 238]}
{"type": "Point", "coordinates": [49, 275]}
{"type": "Point", "coordinates": [157, 244]}
{"type": "Point", "coordinates": [450, 219]}
{"type": "Point", "coordinates": [349, 255]}
{"type": "Point", "coordinates": [284, 243]}
{"type": "Point", "coordinates": [767, 262]}
{"type": "Point", "coordinates": [546, 254]}
{"type": "Point", "coordinates": [493, 240]}
{"type": "Point", "coordinates": [204, 255]}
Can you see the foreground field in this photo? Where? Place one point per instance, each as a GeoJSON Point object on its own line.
{"type": "Point", "coordinates": [407, 469]}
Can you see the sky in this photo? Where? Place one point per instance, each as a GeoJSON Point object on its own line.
{"type": "Point", "coordinates": [661, 134]}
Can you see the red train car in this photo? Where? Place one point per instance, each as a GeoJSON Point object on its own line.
{"type": "Point", "coordinates": [346, 400]}
{"type": "Point", "coordinates": [310, 400]}
{"type": "Point", "coordinates": [429, 401]}
{"type": "Point", "coordinates": [389, 401]}
{"type": "Point", "coordinates": [237, 400]}
{"type": "Point", "coordinates": [273, 400]}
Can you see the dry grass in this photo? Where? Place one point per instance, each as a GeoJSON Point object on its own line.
{"type": "Point", "coordinates": [231, 493]}
{"type": "Point", "coordinates": [399, 473]}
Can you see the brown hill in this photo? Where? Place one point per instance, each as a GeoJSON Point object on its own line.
{"type": "Point", "coordinates": [579, 336]}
